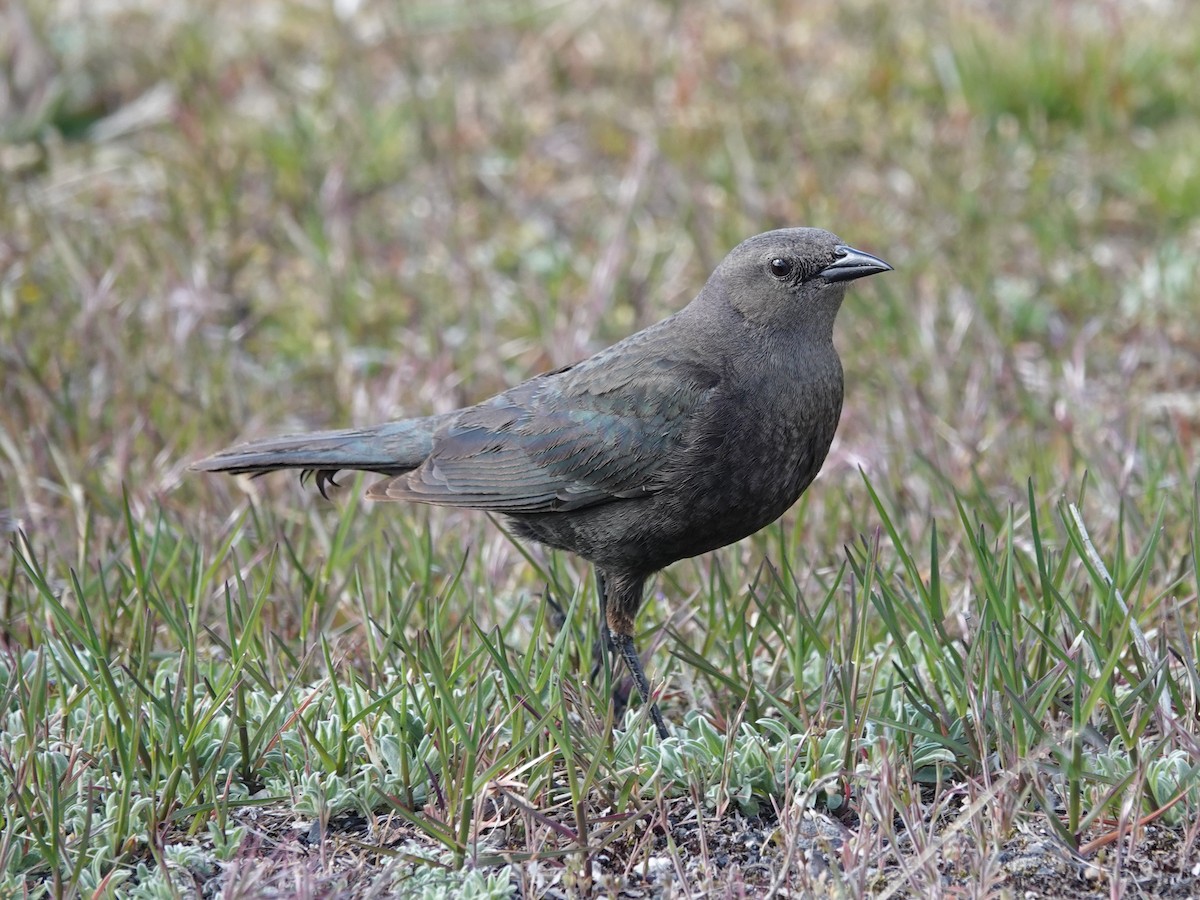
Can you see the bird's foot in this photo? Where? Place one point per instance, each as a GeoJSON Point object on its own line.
{"type": "Point", "coordinates": [624, 643]}
{"type": "Point", "coordinates": [555, 614]}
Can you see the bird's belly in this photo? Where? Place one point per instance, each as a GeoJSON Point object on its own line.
{"type": "Point", "coordinates": [722, 493]}
{"type": "Point", "coordinates": [722, 510]}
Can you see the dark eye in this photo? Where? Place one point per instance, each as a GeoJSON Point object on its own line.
{"type": "Point", "coordinates": [781, 268]}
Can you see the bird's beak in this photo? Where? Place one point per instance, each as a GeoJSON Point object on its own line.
{"type": "Point", "coordinates": [853, 264]}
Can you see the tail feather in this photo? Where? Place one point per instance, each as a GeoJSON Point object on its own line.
{"type": "Point", "coordinates": [390, 449]}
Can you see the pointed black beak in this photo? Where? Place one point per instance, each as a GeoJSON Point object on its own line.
{"type": "Point", "coordinates": [853, 264]}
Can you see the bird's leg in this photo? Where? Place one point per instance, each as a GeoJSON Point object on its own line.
{"type": "Point", "coordinates": [557, 615]}
{"type": "Point", "coordinates": [602, 651]}
{"type": "Point", "coordinates": [602, 589]}
{"type": "Point", "coordinates": [621, 598]}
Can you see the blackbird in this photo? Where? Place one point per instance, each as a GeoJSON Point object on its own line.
{"type": "Point", "coordinates": [679, 439]}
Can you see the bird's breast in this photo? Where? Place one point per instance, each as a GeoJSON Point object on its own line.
{"type": "Point", "coordinates": [761, 444]}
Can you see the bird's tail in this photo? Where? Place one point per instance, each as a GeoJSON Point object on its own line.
{"type": "Point", "coordinates": [390, 449]}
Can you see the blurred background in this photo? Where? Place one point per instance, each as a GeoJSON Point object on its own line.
{"type": "Point", "coordinates": [224, 220]}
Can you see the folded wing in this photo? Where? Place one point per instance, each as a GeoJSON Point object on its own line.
{"type": "Point", "coordinates": [567, 440]}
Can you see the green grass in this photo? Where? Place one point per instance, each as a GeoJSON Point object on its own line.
{"type": "Point", "coordinates": [980, 626]}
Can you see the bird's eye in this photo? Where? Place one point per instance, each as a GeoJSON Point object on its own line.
{"type": "Point", "coordinates": [781, 268]}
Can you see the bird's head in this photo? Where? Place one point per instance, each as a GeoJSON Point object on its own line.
{"type": "Point", "coordinates": [793, 278]}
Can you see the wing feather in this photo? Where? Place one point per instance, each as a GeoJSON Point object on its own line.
{"type": "Point", "coordinates": [589, 434]}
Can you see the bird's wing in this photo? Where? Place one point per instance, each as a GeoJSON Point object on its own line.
{"type": "Point", "coordinates": [574, 438]}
